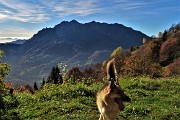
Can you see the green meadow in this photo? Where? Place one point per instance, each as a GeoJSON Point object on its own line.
{"type": "Point", "coordinates": [152, 99]}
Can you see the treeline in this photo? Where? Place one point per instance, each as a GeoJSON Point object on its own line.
{"type": "Point", "coordinates": [75, 74]}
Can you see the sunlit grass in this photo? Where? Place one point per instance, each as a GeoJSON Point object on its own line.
{"type": "Point", "coordinates": [151, 99]}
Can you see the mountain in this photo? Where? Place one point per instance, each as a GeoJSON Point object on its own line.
{"type": "Point", "coordinates": [71, 43]}
{"type": "Point", "coordinates": [18, 42]}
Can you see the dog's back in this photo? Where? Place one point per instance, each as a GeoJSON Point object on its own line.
{"type": "Point", "coordinates": [110, 97]}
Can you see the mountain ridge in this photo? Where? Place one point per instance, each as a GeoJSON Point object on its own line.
{"type": "Point", "coordinates": [70, 43]}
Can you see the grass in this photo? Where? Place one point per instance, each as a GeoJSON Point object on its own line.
{"type": "Point", "coordinates": [151, 99]}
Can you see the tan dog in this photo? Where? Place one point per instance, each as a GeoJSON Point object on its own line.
{"type": "Point", "coordinates": [110, 97]}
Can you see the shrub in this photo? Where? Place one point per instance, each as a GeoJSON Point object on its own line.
{"type": "Point", "coordinates": [24, 88]}
{"type": "Point", "coordinates": [74, 74]}
{"type": "Point", "coordinates": [155, 70]}
{"type": "Point", "coordinates": [168, 51]}
{"type": "Point", "coordinates": [173, 69]}
{"type": "Point", "coordinates": [95, 73]}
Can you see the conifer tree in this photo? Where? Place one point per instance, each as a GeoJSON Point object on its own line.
{"type": "Point", "coordinates": [35, 86]}
{"type": "Point", "coordinates": [55, 76]}
{"type": "Point", "coordinates": [132, 48]}
{"type": "Point", "coordinates": [59, 75]}
{"type": "Point", "coordinates": [164, 37]}
{"type": "Point", "coordinates": [43, 83]}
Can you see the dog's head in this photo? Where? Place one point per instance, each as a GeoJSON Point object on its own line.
{"type": "Point", "coordinates": [113, 88]}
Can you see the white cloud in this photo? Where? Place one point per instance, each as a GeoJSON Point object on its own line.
{"type": "Point", "coordinates": [5, 40]}
{"type": "Point", "coordinates": [44, 10]}
{"type": "Point", "coordinates": [72, 7]}
{"type": "Point", "coordinates": [15, 31]}
{"type": "Point", "coordinates": [22, 11]}
{"type": "Point", "coordinates": [36, 11]}
{"type": "Point", "coordinates": [33, 12]}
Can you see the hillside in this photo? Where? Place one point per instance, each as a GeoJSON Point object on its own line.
{"type": "Point", "coordinates": [152, 99]}
{"type": "Point", "coordinates": [70, 43]}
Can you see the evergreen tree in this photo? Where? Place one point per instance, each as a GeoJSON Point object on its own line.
{"type": "Point", "coordinates": [43, 83]}
{"type": "Point", "coordinates": [4, 70]}
{"type": "Point", "coordinates": [55, 76]}
{"type": "Point", "coordinates": [51, 77]}
{"type": "Point", "coordinates": [59, 75]}
{"type": "Point", "coordinates": [164, 37]}
{"type": "Point", "coordinates": [132, 48]}
{"type": "Point", "coordinates": [35, 86]}
{"type": "Point", "coordinates": [60, 78]}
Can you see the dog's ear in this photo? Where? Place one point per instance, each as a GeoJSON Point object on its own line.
{"type": "Point", "coordinates": [111, 71]}
{"type": "Point", "coordinates": [109, 87]}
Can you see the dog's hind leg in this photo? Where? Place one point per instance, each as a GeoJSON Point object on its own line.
{"type": "Point", "coordinates": [101, 117]}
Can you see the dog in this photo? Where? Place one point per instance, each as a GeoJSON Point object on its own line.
{"type": "Point", "coordinates": [110, 97]}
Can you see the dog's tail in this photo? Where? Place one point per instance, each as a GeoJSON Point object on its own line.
{"type": "Point", "coordinates": [111, 71]}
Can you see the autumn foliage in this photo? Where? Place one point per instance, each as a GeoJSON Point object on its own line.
{"type": "Point", "coordinates": [173, 69]}
{"type": "Point", "coordinates": [156, 58]}
{"type": "Point", "coordinates": [143, 61]}
{"type": "Point", "coordinates": [24, 88]}
{"type": "Point", "coordinates": [87, 75]}
{"type": "Point", "coordinates": [74, 74]}
{"type": "Point", "coordinates": [119, 54]}
{"type": "Point", "coordinates": [168, 51]}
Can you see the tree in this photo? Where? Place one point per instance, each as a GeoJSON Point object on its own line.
{"type": "Point", "coordinates": [95, 73]}
{"type": "Point", "coordinates": [164, 36]}
{"type": "Point", "coordinates": [132, 48]}
{"type": "Point", "coordinates": [117, 52]}
{"type": "Point", "coordinates": [153, 37]}
{"type": "Point", "coordinates": [173, 69]}
{"type": "Point", "coordinates": [4, 70]}
{"type": "Point", "coordinates": [75, 74]}
{"type": "Point", "coordinates": [55, 76]}
{"type": "Point", "coordinates": [35, 86]}
{"type": "Point", "coordinates": [43, 82]}
{"type": "Point", "coordinates": [169, 51]}
{"type": "Point", "coordinates": [119, 56]}
{"type": "Point", "coordinates": [58, 76]}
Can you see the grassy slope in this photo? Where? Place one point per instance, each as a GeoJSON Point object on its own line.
{"type": "Point", "coordinates": [151, 99]}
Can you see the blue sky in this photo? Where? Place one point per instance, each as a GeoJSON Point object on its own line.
{"type": "Point", "coordinates": [23, 18]}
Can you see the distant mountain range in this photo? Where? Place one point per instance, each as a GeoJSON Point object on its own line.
{"type": "Point", "coordinates": [18, 42]}
{"type": "Point", "coordinates": [12, 40]}
{"type": "Point", "coordinates": [70, 43]}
